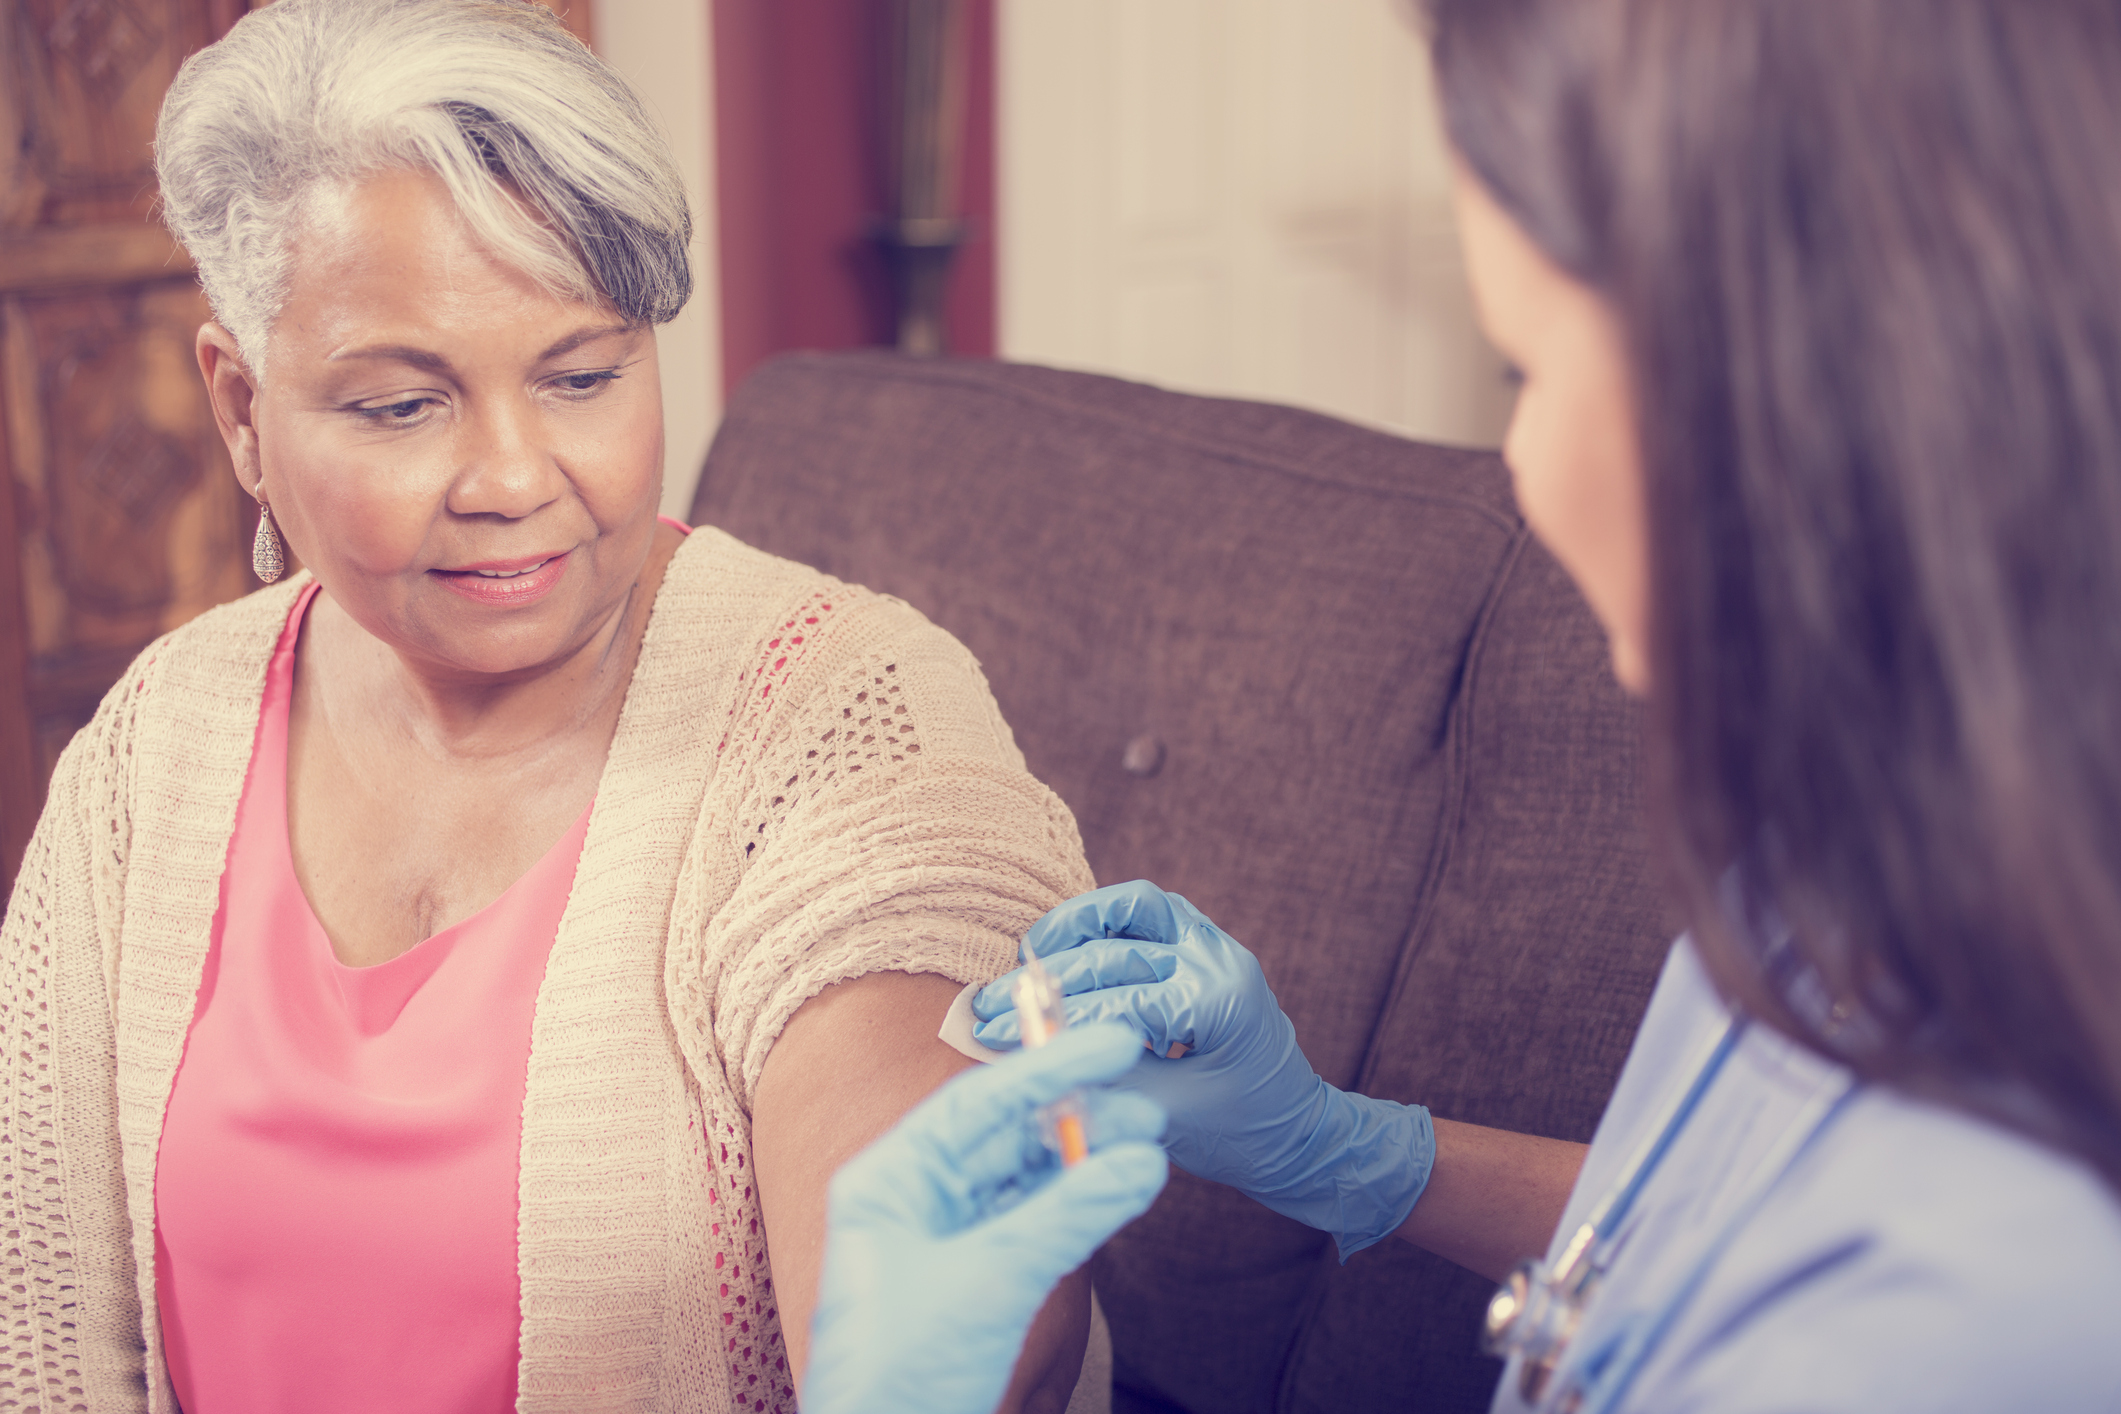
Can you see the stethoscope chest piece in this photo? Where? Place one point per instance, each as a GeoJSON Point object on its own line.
{"type": "Point", "coordinates": [1536, 1312]}
{"type": "Point", "coordinates": [1534, 1316]}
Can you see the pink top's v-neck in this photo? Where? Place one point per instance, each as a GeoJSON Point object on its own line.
{"type": "Point", "coordinates": [335, 1193]}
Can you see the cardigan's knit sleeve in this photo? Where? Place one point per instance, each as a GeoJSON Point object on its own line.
{"type": "Point", "coordinates": [885, 822]}
{"type": "Point", "coordinates": [70, 1302]}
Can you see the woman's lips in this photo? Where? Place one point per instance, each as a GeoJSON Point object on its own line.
{"type": "Point", "coordinates": [508, 583]}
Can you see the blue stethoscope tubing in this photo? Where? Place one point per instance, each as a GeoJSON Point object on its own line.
{"type": "Point", "coordinates": [1612, 1210]}
{"type": "Point", "coordinates": [1617, 1368]}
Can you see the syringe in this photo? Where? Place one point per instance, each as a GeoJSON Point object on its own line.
{"type": "Point", "coordinates": [1041, 1015]}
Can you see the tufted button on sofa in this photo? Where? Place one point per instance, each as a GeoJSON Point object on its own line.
{"type": "Point", "coordinates": [1321, 681]}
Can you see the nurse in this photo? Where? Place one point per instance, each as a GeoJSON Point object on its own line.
{"type": "Point", "coordinates": [1818, 309]}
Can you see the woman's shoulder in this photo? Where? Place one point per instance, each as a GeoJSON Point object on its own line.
{"type": "Point", "coordinates": [802, 646]}
{"type": "Point", "coordinates": [211, 666]}
{"type": "Point", "coordinates": [1916, 1258]}
{"type": "Point", "coordinates": [239, 633]}
{"type": "Point", "coordinates": [801, 625]}
{"type": "Point", "coordinates": [715, 576]}
{"type": "Point", "coordinates": [2002, 1222]}
{"type": "Point", "coordinates": [181, 716]}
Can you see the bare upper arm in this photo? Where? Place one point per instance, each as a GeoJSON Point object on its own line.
{"type": "Point", "coordinates": [847, 1065]}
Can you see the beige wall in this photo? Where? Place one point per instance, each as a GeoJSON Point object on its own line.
{"type": "Point", "coordinates": [665, 50]}
{"type": "Point", "coordinates": [1247, 197]}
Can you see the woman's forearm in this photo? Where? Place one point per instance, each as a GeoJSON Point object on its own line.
{"type": "Point", "coordinates": [1494, 1196]}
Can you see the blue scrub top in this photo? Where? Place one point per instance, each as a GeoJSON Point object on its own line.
{"type": "Point", "coordinates": [1910, 1259]}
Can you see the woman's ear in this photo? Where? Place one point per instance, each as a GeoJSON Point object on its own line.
{"type": "Point", "coordinates": [233, 390]}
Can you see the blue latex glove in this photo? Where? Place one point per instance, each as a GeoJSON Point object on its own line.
{"type": "Point", "coordinates": [1246, 1108]}
{"type": "Point", "coordinates": [944, 1237]}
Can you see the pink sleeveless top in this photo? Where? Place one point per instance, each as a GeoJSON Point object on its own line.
{"type": "Point", "coordinates": [335, 1193]}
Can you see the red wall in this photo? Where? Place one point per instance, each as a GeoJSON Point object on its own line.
{"type": "Point", "coordinates": [800, 147]}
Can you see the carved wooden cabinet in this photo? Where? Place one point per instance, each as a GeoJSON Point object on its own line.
{"type": "Point", "coordinates": [119, 517]}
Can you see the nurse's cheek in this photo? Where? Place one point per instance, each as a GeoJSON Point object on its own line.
{"type": "Point", "coordinates": [1573, 459]}
{"type": "Point", "coordinates": [1574, 453]}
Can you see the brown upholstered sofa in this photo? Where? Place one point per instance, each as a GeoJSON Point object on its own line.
{"type": "Point", "coordinates": [1319, 680]}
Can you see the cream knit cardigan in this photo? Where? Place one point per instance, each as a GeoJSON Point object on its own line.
{"type": "Point", "coordinates": [809, 782]}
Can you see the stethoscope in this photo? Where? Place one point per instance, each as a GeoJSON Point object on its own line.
{"type": "Point", "coordinates": [1539, 1308]}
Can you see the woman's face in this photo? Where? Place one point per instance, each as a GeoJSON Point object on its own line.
{"type": "Point", "coordinates": [468, 463]}
{"type": "Point", "coordinates": [1573, 450]}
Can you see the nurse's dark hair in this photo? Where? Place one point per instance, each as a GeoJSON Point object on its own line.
{"type": "Point", "coordinates": [1867, 255]}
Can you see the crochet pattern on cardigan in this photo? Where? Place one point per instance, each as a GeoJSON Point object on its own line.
{"type": "Point", "coordinates": [809, 782]}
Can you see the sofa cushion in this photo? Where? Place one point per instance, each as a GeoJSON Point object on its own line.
{"type": "Point", "coordinates": [1520, 991]}
{"type": "Point", "coordinates": [1319, 680]}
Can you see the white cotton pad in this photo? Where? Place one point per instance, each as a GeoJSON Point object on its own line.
{"type": "Point", "coordinates": [957, 1028]}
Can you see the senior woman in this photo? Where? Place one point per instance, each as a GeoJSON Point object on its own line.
{"type": "Point", "coordinates": [447, 978]}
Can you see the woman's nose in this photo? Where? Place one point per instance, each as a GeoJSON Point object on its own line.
{"type": "Point", "coordinates": [507, 469]}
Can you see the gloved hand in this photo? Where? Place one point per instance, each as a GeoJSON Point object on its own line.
{"type": "Point", "coordinates": [943, 1237]}
{"type": "Point", "coordinates": [1246, 1108]}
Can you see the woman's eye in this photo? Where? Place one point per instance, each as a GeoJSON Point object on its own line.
{"type": "Point", "coordinates": [581, 383]}
{"type": "Point", "coordinates": [407, 411]}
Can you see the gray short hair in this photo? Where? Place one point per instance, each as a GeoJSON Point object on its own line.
{"type": "Point", "coordinates": [493, 96]}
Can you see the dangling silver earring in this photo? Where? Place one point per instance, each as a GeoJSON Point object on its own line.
{"type": "Point", "coordinates": [267, 557]}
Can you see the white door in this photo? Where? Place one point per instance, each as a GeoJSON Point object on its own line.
{"type": "Point", "coordinates": [1241, 197]}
